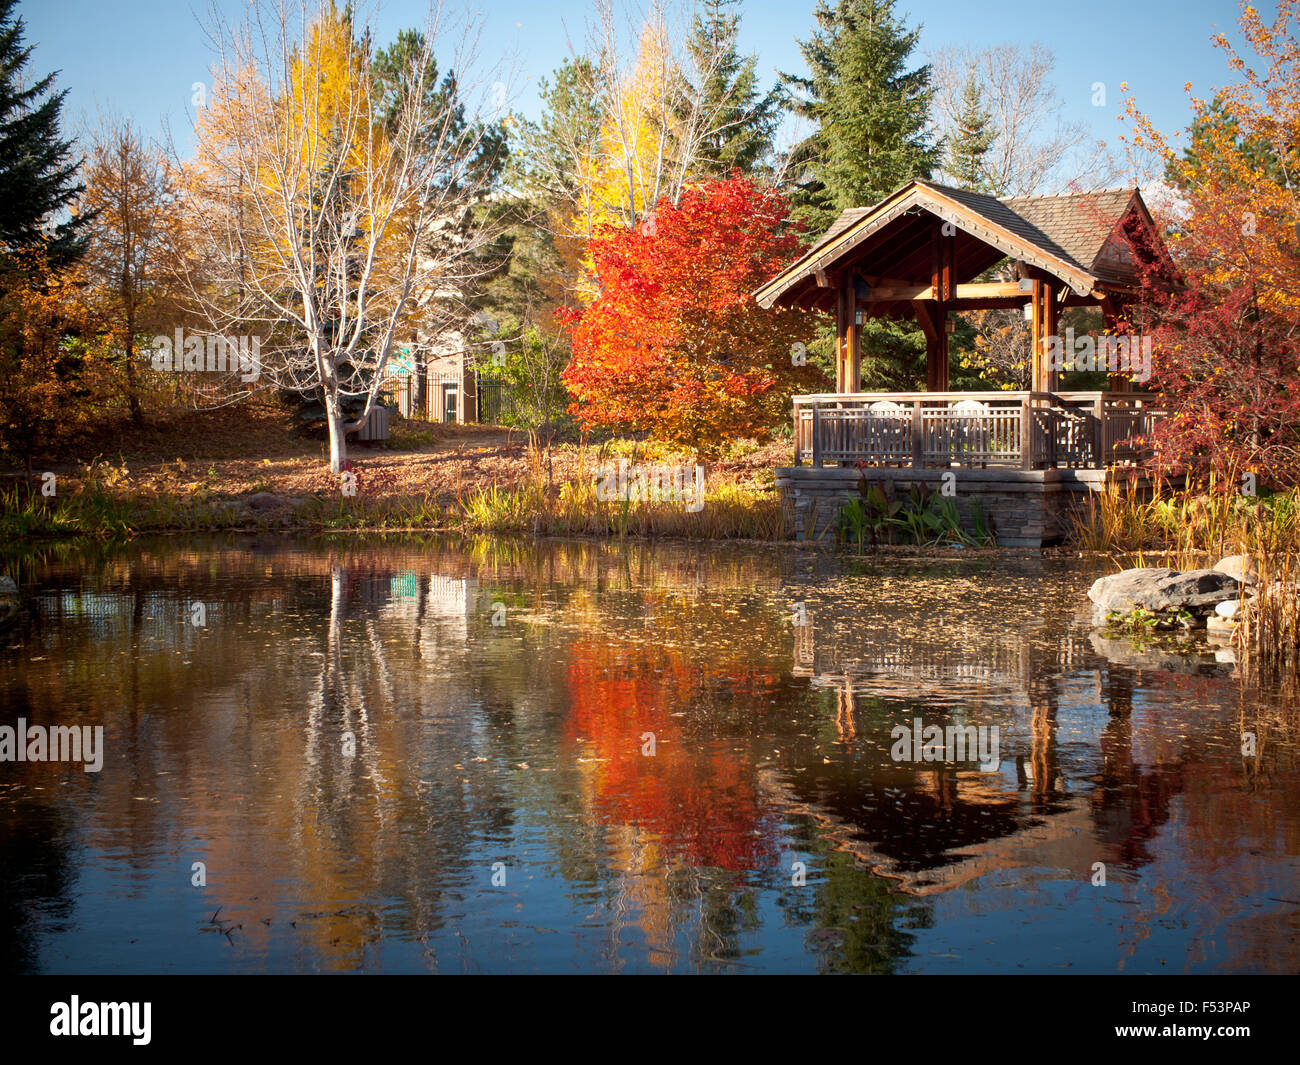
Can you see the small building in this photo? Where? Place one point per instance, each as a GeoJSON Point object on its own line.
{"type": "Point", "coordinates": [1025, 455]}
{"type": "Point", "coordinates": [435, 387]}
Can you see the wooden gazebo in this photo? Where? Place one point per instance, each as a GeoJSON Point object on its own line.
{"type": "Point", "coordinates": [917, 255]}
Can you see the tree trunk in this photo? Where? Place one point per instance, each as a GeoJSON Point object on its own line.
{"type": "Point", "coordinates": [132, 389]}
{"type": "Point", "coordinates": [338, 438]}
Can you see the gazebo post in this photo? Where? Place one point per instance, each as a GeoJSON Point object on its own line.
{"type": "Point", "coordinates": [1043, 318]}
{"type": "Point", "coordinates": [848, 360]}
{"type": "Point", "coordinates": [942, 282]}
{"type": "Point", "coordinates": [936, 344]}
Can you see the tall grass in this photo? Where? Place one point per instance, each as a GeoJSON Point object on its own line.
{"type": "Point", "coordinates": [729, 512]}
{"type": "Point", "coordinates": [1185, 527]}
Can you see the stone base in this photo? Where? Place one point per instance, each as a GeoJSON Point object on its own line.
{"type": "Point", "coordinates": [1023, 508]}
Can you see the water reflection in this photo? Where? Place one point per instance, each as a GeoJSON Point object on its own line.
{"type": "Point", "coordinates": [497, 756]}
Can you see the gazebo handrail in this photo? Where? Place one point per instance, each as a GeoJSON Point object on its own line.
{"type": "Point", "coordinates": [872, 397]}
{"type": "Point", "coordinates": [1026, 428]}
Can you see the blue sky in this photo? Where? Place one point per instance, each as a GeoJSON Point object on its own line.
{"type": "Point", "coordinates": [139, 58]}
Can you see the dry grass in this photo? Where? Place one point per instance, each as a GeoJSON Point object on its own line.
{"type": "Point", "coordinates": [469, 478]}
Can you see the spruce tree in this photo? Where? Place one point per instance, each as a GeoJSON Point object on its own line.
{"type": "Point", "coordinates": [870, 112]}
{"type": "Point", "coordinates": [741, 121]}
{"type": "Point", "coordinates": [971, 140]}
{"type": "Point", "coordinates": [37, 169]}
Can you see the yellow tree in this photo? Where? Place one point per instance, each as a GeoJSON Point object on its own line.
{"type": "Point", "coordinates": [126, 273]}
{"type": "Point", "coordinates": [1239, 174]}
{"type": "Point", "coordinates": [656, 116]}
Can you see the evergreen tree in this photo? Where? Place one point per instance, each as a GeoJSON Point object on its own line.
{"type": "Point", "coordinates": [870, 112]}
{"type": "Point", "coordinates": [971, 140]}
{"type": "Point", "coordinates": [37, 170]}
{"type": "Point", "coordinates": [741, 122]}
{"type": "Point", "coordinates": [1200, 153]}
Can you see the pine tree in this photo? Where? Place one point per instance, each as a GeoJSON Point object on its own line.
{"type": "Point", "coordinates": [971, 141]}
{"type": "Point", "coordinates": [37, 170]}
{"type": "Point", "coordinates": [741, 122]}
{"type": "Point", "coordinates": [870, 112]}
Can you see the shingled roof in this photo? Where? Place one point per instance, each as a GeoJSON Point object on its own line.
{"type": "Point", "coordinates": [1080, 223]}
{"type": "Point", "coordinates": [1070, 236]}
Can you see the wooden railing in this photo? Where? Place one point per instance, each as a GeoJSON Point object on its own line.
{"type": "Point", "coordinates": [1026, 430]}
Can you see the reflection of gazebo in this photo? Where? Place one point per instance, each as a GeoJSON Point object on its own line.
{"type": "Point", "coordinates": [916, 255]}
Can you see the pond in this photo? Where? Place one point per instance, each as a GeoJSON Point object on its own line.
{"type": "Point", "coordinates": [499, 756]}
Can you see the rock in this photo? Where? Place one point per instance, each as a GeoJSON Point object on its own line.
{"type": "Point", "coordinates": [264, 501]}
{"type": "Point", "coordinates": [1239, 567]}
{"type": "Point", "coordinates": [1228, 608]}
{"type": "Point", "coordinates": [7, 586]}
{"type": "Point", "coordinates": [1218, 626]}
{"type": "Point", "coordinates": [1157, 590]}
{"type": "Point", "coordinates": [1225, 654]}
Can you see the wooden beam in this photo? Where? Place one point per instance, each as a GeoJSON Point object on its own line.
{"type": "Point", "coordinates": [1051, 327]}
{"type": "Point", "coordinates": [1110, 317]}
{"type": "Point", "coordinates": [934, 338]}
{"type": "Point", "coordinates": [900, 293]}
{"type": "Point", "coordinates": [924, 311]}
{"type": "Point", "coordinates": [852, 354]}
{"type": "Point", "coordinates": [990, 290]}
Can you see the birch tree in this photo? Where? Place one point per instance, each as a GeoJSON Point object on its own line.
{"type": "Point", "coordinates": [318, 187]}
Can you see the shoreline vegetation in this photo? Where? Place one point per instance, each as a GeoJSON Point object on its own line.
{"type": "Point", "coordinates": [242, 473]}
{"type": "Point", "coordinates": [434, 478]}
{"type": "Point", "coordinates": [233, 475]}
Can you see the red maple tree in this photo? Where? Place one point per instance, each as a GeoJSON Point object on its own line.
{"type": "Point", "coordinates": [1225, 354]}
{"type": "Point", "coordinates": [675, 345]}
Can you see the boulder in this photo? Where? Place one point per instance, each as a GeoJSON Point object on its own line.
{"type": "Point", "coordinates": [7, 586]}
{"type": "Point", "coordinates": [264, 501]}
{"type": "Point", "coordinates": [1239, 567]}
{"type": "Point", "coordinates": [1160, 590]}
{"type": "Point", "coordinates": [1219, 626]}
{"type": "Point", "coordinates": [1228, 608]}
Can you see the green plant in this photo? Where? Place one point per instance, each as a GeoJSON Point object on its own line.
{"type": "Point", "coordinates": [982, 532]}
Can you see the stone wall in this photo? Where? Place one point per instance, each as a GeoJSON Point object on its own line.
{"type": "Point", "coordinates": [1025, 508]}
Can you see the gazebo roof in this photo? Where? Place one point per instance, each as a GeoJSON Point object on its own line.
{"type": "Point", "coordinates": [1077, 238]}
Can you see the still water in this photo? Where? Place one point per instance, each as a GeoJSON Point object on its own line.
{"type": "Point", "coordinates": [493, 756]}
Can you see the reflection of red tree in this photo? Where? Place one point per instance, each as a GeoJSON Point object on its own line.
{"type": "Point", "coordinates": [697, 794]}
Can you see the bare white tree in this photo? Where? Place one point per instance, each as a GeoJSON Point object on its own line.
{"type": "Point", "coordinates": [317, 191]}
{"type": "Point", "coordinates": [1034, 149]}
